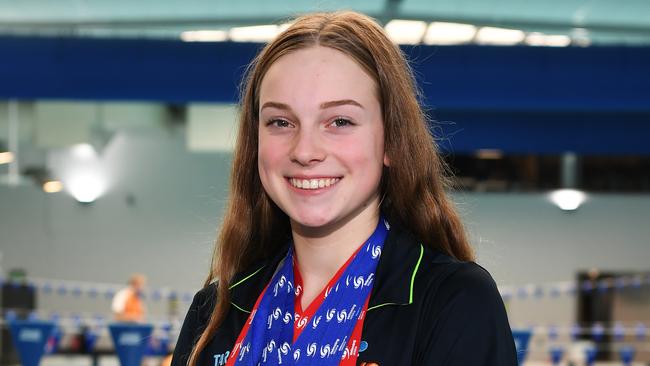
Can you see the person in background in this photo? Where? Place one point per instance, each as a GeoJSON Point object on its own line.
{"type": "Point", "coordinates": [128, 305]}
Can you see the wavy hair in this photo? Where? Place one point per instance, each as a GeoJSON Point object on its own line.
{"type": "Point", "coordinates": [413, 188]}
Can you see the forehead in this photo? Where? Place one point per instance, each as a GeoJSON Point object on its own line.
{"type": "Point", "coordinates": [315, 75]}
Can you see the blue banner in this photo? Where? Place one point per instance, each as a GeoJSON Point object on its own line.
{"type": "Point", "coordinates": [521, 100]}
{"type": "Point", "coordinates": [130, 341]}
{"type": "Point", "coordinates": [30, 337]}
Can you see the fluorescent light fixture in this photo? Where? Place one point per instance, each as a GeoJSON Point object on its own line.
{"type": "Point", "coordinates": [489, 154]}
{"type": "Point", "coordinates": [204, 36]}
{"type": "Point", "coordinates": [258, 33]}
{"type": "Point", "coordinates": [499, 36]}
{"type": "Point", "coordinates": [84, 151]}
{"type": "Point", "coordinates": [406, 31]}
{"type": "Point", "coordinates": [283, 27]}
{"type": "Point", "coordinates": [6, 157]}
{"type": "Point", "coordinates": [85, 188]}
{"type": "Point", "coordinates": [52, 186]}
{"type": "Point", "coordinates": [568, 199]}
{"type": "Point", "coordinates": [539, 39]}
{"type": "Point", "coordinates": [581, 37]}
{"type": "Point", "coordinates": [449, 33]}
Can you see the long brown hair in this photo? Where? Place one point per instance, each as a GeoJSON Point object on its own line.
{"type": "Point", "coordinates": [413, 187]}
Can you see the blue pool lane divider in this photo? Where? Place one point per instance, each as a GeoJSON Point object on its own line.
{"type": "Point", "coordinates": [522, 338]}
{"type": "Point", "coordinates": [130, 341]}
{"type": "Point", "coordinates": [590, 355]}
{"type": "Point", "coordinates": [556, 353]}
{"type": "Point", "coordinates": [30, 338]}
{"type": "Point", "coordinates": [627, 354]}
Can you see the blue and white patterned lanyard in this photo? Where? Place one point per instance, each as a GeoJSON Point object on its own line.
{"type": "Point", "coordinates": [323, 340]}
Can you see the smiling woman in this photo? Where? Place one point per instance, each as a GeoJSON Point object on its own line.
{"type": "Point", "coordinates": [331, 131]}
{"type": "Point", "coordinates": [339, 245]}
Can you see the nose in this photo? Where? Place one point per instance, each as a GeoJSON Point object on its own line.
{"type": "Point", "coordinates": [308, 148]}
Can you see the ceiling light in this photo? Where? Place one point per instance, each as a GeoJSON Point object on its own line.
{"type": "Point", "coordinates": [449, 33]}
{"type": "Point", "coordinates": [499, 36]}
{"type": "Point", "coordinates": [568, 199]}
{"type": "Point", "coordinates": [258, 33]}
{"type": "Point", "coordinates": [52, 186]}
{"type": "Point", "coordinates": [6, 157]}
{"type": "Point", "coordinates": [84, 151]}
{"type": "Point", "coordinates": [581, 37]}
{"type": "Point", "coordinates": [204, 36]}
{"type": "Point", "coordinates": [406, 31]}
{"type": "Point", "coordinates": [539, 39]}
{"type": "Point", "coordinates": [85, 188]}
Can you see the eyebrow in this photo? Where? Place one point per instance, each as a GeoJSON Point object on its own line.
{"type": "Point", "coordinates": [336, 103]}
{"type": "Point", "coordinates": [325, 105]}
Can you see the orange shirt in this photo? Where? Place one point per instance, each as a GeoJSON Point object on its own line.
{"type": "Point", "coordinates": [128, 306]}
{"type": "Point", "coordinates": [133, 308]}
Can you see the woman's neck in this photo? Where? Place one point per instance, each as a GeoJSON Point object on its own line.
{"type": "Point", "coordinates": [321, 252]}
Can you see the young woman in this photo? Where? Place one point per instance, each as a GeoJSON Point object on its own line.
{"type": "Point", "coordinates": [339, 245]}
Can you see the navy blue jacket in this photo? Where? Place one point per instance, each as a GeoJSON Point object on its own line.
{"type": "Point", "coordinates": [426, 308]}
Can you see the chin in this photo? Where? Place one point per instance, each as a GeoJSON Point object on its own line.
{"type": "Point", "coordinates": [314, 221]}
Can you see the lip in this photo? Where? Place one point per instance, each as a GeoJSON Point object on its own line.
{"type": "Point", "coordinates": [313, 176]}
{"type": "Point", "coordinates": [311, 192]}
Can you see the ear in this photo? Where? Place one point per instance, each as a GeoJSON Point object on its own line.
{"type": "Point", "coordinates": [386, 160]}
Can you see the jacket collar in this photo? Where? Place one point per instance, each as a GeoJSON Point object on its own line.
{"type": "Point", "coordinates": [395, 275]}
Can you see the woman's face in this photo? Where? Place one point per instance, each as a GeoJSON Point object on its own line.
{"type": "Point", "coordinates": [321, 138]}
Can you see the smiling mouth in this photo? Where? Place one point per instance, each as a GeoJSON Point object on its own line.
{"type": "Point", "coordinates": [313, 183]}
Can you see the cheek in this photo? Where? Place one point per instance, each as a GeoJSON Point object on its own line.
{"type": "Point", "coordinates": [265, 150]}
{"type": "Point", "coordinates": [263, 172]}
{"type": "Point", "coordinates": [367, 158]}
{"type": "Point", "coordinates": [269, 160]}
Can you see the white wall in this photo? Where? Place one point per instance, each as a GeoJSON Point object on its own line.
{"type": "Point", "coordinates": [168, 233]}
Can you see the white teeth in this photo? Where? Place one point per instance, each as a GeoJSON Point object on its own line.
{"type": "Point", "coordinates": [313, 183]}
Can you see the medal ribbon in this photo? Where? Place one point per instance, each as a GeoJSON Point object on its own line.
{"type": "Point", "coordinates": [269, 340]}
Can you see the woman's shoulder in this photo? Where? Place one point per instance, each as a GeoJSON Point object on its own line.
{"type": "Point", "coordinates": [196, 319]}
{"type": "Point", "coordinates": [471, 278]}
{"type": "Point", "coordinates": [203, 303]}
{"type": "Point", "coordinates": [433, 273]}
{"type": "Point", "coordinates": [434, 267]}
{"type": "Point", "coordinates": [465, 283]}
{"type": "Point", "coordinates": [463, 310]}
{"type": "Point", "coordinates": [205, 294]}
